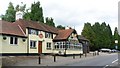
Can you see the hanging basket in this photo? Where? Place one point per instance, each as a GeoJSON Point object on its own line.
{"type": "Point", "coordinates": [24, 39]}
{"type": "Point", "coordinates": [4, 37]}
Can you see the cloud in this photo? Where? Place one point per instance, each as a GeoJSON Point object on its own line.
{"type": "Point", "coordinates": [76, 12]}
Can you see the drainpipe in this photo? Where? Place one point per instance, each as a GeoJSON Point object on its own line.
{"type": "Point", "coordinates": [28, 44]}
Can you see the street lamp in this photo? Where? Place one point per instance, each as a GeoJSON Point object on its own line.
{"type": "Point", "coordinates": [116, 42]}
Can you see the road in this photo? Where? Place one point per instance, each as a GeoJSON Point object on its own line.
{"type": "Point", "coordinates": [103, 60]}
{"type": "Point", "coordinates": [107, 60]}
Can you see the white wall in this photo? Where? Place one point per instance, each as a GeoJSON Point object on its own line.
{"type": "Point", "coordinates": [21, 47]}
{"type": "Point", "coordinates": [44, 42]}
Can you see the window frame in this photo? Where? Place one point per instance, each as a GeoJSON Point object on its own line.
{"type": "Point", "coordinates": [13, 41]}
{"type": "Point", "coordinates": [33, 44]}
{"type": "Point", "coordinates": [48, 45]}
{"type": "Point", "coordinates": [33, 31]}
{"type": "Point", "coordinates": [48, 35]}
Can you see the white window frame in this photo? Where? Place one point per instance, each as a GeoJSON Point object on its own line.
{"type": "Point", "coordinates": [33, 45]}
{"type": "Point", "coordinates": [48, 35]}
{"type": "Point", "coordinates": [48, 46]}
{"type": "Point", "coordinates": [13, 42]}
{"type": "Point", "coordinates": [33, 31]}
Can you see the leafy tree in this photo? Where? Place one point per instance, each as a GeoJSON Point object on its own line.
{"type": "Point", "coordinates": [116, 37]}
{"type": "Point", "coordinates": [116, 34]}
{"type": "Point", "coordinates": [49, 21]}
{"type": "Point", "coordinates": [110, 39]}
{"type": "Point", "coordinates": [99, 35]}
{"type": "Point", "coordinates": [36, 13]}
{"type": "Point", "coordinates": [20, 7]}
{"type": "Point", "coordinates": [27, 15]}
{"type": "Point", "coordinates": [89, 34]}
{"type": "Point", "coordinates": [10, 13]}
{"type": "Point", "coordinates": [60, 27]}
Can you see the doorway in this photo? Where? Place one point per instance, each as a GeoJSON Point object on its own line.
{"type": "Point", "coordinates": [40, 47]}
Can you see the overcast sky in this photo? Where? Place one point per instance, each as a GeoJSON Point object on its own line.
{"type": "Point", "coordinates": [74, 13]}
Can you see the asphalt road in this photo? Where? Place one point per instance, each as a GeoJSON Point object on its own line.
{"type": "Point", "coordinates": [107, 60]}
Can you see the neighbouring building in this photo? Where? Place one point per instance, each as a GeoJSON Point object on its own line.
{"type": "Point", "coordinates": [85, 43]}
{"type": "Point", "coordinates": [31, 37]}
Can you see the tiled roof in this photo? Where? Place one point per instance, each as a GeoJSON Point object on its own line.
{"type": "Point", "coordinates": [32, 24]}
{"type": "Point", "coordinates": [80, 37]}
{"type": "Point", "coordinates": [63, 34]}
{"type": "Point", "coordinates": [10, 28]}
{"type": "Point", "coordinates": [19, 28]}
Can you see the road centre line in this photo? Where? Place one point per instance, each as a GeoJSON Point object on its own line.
{"type": "Point", "coordinates": [115, 61]}
{"type": "Point", "coordinates": [106, 66]}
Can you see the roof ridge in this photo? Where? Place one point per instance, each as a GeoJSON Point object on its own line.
{"type": "Point", "coordinates": [40, 26]}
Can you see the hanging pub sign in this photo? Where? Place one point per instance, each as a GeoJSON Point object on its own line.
{"type": "Point", "coordinates": [41, 35]}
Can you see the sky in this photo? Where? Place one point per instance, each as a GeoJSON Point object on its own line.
{"type": "Point", "coordinates": [74, 13]}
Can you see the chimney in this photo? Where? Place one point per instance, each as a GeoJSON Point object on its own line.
{"type": "Point", "coordinates": [19, 15]}
{"type": "Point", "coordinates": [68, 27]}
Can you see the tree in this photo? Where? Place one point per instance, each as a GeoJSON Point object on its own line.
{"type": "Point", "coordinates": [88, 33]}
{"type": "Point", "coordinates": [110, 39]}
{"type": "Point", "coordinates": [20, 7]}
{"type": "Point", "coordinates": [116, 37]}
{"type": "Point", "coordinates": [116, 34]}
{"type": "Point", "coordinates": [49, 21]}
{"type": "Point", "coordinates": [10, 13]}
{"type": "Point", "coordinates": [27, 15]}
{"type": "Point", "coordinates": [60, 27]}
{"type": "Point", "coordinates": [36, 13]}
{"type": "Point", "coordinates": [99, 35]}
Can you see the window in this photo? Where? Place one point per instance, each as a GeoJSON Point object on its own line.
{"type": "Point", "coordinates": [32, 44]}
{"type": "Point", "coordinates": [13, 40]}
{"type": "Point", "coordinates": [63, 45]}
{"type": "Point", "coordinates": [56, 45]}
{"type": "Point", "coordinates": [32, 31]}
{"type": "Point", "coordinates": [48, 35]}
{"type": "Point", "coordinates": [48, 46]}
{"type": "Point", "coordinates": [60, 45]}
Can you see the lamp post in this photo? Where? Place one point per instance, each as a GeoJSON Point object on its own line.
{"type": "Point", "coordinates": [116, 42]}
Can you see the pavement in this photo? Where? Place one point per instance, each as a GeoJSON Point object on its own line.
{"type": "Point", "coordinates": [49, 60]}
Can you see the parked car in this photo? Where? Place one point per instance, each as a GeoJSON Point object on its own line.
{"type": "Point", "coordinates": [105, 50]}
{"type": "Point", "coordinates": [114, 50]}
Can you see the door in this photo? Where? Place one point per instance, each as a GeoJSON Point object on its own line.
{"type": "Point", "coordinates": [40, 47]}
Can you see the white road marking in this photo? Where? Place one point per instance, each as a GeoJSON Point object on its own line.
{"type": "Point", "coordinates": [115, 61]}
{"type": "Point", "coordinates": [106, 66]}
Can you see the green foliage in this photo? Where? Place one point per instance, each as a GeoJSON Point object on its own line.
{"type": "Point", "coordinates": [27, 15]}
{"type": "Point", "coordinates": [20, 7]}
{"type": "Point", "coordinates": [99, 35]}
{"type": "Point", "coordinates": [10, 14]}
{"type": "Point", "coordinates": [36, 13]}
{"type": "Point", "coordinates": [11, 11]}
{"type": "Point", "coordinates": [116, 35]}
{"type": "Point", "coordinates": [49, 21]}
{"type": "Point", "coordinates": [60, 27]}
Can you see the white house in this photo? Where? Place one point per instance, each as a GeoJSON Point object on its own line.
{"type": "Point", "coordinates": [30, 37]}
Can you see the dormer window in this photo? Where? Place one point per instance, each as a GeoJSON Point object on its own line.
{"type": "Point", "coordinates": [48, 35]}
{"type": "Point", "coordinates": [32, 31]}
